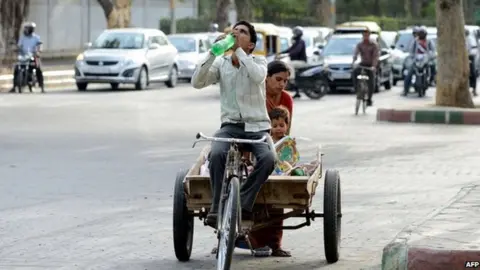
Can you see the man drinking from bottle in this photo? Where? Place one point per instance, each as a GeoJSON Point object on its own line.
{"type": "Point", "coordinates": [243, 113]}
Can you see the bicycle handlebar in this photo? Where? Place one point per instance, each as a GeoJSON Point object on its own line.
{"type": "Point", "coordinates": [202, 138]}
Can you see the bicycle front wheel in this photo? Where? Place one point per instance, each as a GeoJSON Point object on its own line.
{"type": "Point", "coordinates": [228, 232]}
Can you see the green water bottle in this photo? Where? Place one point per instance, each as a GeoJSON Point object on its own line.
{"type": "Point", "coordinates": [221, 46]}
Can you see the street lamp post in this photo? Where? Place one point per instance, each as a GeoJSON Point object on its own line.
{"type": "Point", "coordinates": [333, 13]}
{"type": "Point", "coordinates": [173, 20]}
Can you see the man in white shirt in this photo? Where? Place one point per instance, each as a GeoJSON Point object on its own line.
{"type": "Point", "coordinates": [243, 113]}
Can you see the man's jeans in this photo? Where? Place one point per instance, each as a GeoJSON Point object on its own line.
{"type": "Point", "coordinates": [371, 80]}
{"type": "Point", "coordinates": [218, 157]}
{"type": "Point", "coordinates": [408, 80]}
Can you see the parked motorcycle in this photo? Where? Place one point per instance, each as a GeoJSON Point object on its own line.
{"type": "Point", "coordinates": [25, 69]}
{"type": "Point", "coordinates": [421, 74]}
{"type": "Point", "coordinates": [309, 79]}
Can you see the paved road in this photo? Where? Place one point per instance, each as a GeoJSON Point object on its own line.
{"type": "Point", "coordinates": [86, 178]}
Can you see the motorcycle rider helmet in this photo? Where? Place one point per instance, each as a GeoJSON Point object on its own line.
{"type": "Point", "coordinates": [422, 33]}
{"type": "Point", "coordinates": [29, 28]}
{"type": "Point", "coordinates": [415, 31]}
{"type": "Point", "coordinates": [297, 32]}
{"type": "Point", "coordinates": [214, 27]}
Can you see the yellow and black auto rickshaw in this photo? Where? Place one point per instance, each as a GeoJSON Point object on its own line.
{"type": "Point", "coordinates": [268, 39]}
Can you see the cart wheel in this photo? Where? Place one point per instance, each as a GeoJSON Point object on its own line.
{"type": "Point", "coordinates": [332, 215]}
{"type": "Point", "coordinates": [228, 232]}
{"type": "Point", "coordinates": [182, 221]}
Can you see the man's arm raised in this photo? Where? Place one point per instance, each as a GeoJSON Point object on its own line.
{"type": "Point", "coordinates": [207, 72]}
{"type": "Point", "coordinates": [256, 66]}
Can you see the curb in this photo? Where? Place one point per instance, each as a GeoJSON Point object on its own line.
{"type": "Point", "coordinates": [401, 254]}
{"type": "Point", "coordinates": [431, 116]}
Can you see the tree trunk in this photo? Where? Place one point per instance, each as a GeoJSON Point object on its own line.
{"type": "Point", "coordinates": [244, 10]}
{"type": "Point", "coordinates": [12, 14]}
{"type": "Point", "coordinates": [453, 69]}
{"type": "Point", "coordinates": [322, 7]}
{"type": "Point", "coordinates": [117, 12]}
{"type": "Point", "coordinates": [222, 13]}
{"type": "Point", "coordinates": [416, 8]}
{"type": "Point", "coordinates": [377, 8]}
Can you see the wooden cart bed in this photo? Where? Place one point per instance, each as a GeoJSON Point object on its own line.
{"type": "Point", "coordinates": [292, 192]}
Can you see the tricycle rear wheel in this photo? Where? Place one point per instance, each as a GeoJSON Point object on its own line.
{"type": "Point", "coordinates": [332, 215]}
{"type": "Point", "coordinates": [182, 221]}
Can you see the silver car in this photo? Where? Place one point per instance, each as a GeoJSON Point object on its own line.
{"type": "Point", "coordinates": [129, 56]}
{"type": "Point", "coordinates": [191, 48]}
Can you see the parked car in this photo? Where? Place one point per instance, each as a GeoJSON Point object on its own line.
{"type": "Point", "coordinates": [212, 36]}
{"type": "Point", "coordinates": [191, 48]}
{"type": "Point", "coordinates": [389, 38]}
{"type": "Point", "coordinates": [286, 34]}
{"type": "Point", "coordinates": [312, 38]}
{"type": "Point", "coordinates": [337, 57]}
{"type": "Point", "coordinates": [129, 56]}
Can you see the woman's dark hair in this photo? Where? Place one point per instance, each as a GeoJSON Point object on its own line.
{"type": "Point", "coordinates": [280, 112]}
{"type": "Point", "coordinates": [277, 66]}
{"type": "Point", "coordinates": [251, 31]}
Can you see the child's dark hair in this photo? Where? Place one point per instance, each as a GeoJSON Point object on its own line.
{"type": "Point", "coordinates": [277, 66]}
{"type": "Point", "coordinates": [280, 112]}
{"type": "Point", "coordinates": [251, 31]}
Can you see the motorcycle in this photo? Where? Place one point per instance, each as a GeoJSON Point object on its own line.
{"type": "Point", "coordinates": [421, 74]}
{"type": "Point", "coordinates": [25, 69]}
{"type": "Point", "coordinates": [309, 79]}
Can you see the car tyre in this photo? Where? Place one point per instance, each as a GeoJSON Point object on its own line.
{"type": "Point", "coordinates": [388, 84]}
{"type": "Point", "coordinates": [114, 86]}
{"type": "Point", "coordinates": [172, 77]}
{"type": "Point", "coordinates": [82, 86]}
{"type": "Point", "coordinates": [142, 80]}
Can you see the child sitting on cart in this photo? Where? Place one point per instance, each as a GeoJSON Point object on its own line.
{"type": "Point", "coordinates": [285, 145]}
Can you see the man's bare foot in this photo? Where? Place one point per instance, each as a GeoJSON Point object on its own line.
{"type": "Point", "coordinates": [281, 253]}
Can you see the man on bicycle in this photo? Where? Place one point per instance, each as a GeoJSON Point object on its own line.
{"type": "Point", "coordinates": [243, 113]}
{"type": "Point", "coordinates": [369, 53]}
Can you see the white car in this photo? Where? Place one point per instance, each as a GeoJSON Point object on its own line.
{"type": "Point", "coordinates": [129, 56]}
{"type": "Point", "coordinates": [191, 49]}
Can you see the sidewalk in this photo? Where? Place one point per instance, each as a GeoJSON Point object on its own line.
{"type": "Point", "coordinates": [445, 240]}
{"type": "Point", "coordinates": [413, 109]}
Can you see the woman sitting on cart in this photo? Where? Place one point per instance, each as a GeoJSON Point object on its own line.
{"type": "Point", "coordinates": [277, 78]}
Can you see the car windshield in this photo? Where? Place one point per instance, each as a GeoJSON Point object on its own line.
{"type": "Point", "coordinates": [389, 38]}
{"type": "Point", "coordinates": [403, 41]}
{"type": "Point", "coordinates": [184, 44]}
{"type": "Point", "coordinates": [308, 40]}
{"type": "Point", "coordinates": [119, 40]}
{"type": "Point", "coordinates": [341, 46]}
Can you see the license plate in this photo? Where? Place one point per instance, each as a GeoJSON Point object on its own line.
{"type": "Point", "coordinates": [97, 70]}
{"type": "Point", "coordinates": [342, 75]}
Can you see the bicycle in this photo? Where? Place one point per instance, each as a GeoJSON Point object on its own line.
{"type": "Point", "coordinates": [362, 89]}
{"type": "Point", "coordinates": [229, 215]}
